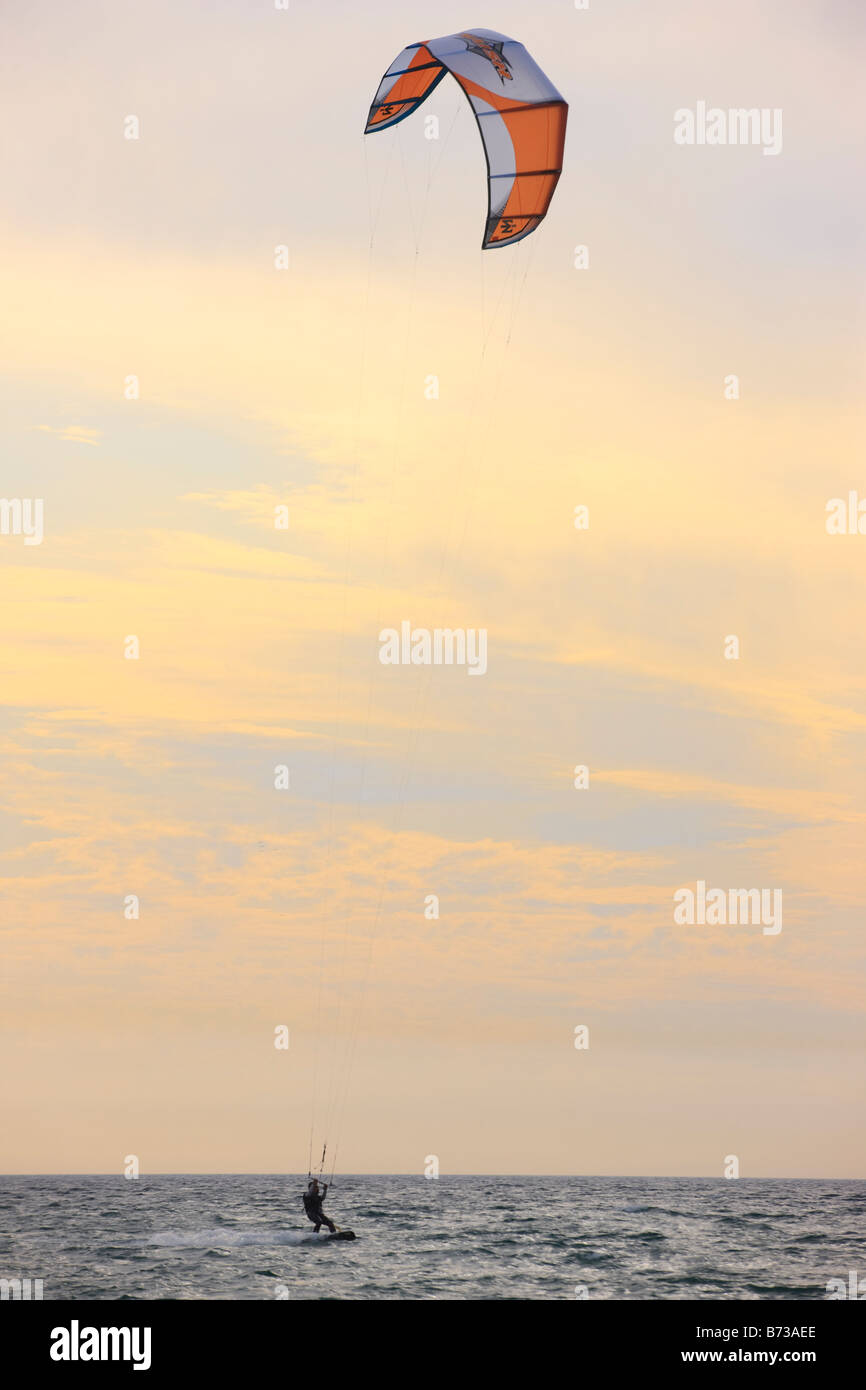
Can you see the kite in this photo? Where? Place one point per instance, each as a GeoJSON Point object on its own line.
{"type": "Point", "coordinates": [521, 118]}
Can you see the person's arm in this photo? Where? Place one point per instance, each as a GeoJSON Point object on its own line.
{"type": "Point", "coordinates": [324, 1191]}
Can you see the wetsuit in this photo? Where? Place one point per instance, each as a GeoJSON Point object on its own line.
{"type": "Point", "coordinates": [313, 1200]}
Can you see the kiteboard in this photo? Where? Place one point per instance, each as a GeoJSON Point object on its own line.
{"type": "Point", "coordinates": [341, 1235]}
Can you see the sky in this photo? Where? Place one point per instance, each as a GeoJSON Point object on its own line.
{"type": "Point", "coordinates": [308, 388]}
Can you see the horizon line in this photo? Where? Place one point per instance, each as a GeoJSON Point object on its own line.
{"type": "Point", "coordinates": [630, 1177]}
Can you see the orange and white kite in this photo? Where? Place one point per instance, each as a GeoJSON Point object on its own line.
{"type": "Point", "coordinates": [520, 114]}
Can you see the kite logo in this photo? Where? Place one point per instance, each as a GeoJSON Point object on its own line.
{"type": "Point", "coordinates": [386, 111]}
{"type": "Point", "coordinates": [504, 228]}
{"type": "Point", "coordinates": [492, 52]}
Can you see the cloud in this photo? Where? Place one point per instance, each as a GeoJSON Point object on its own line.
{"type": "Point", "coordinates": [72, 434]}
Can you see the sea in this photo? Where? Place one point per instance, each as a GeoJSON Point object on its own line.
{"type": "Point", "coordinates": [182, 1236]}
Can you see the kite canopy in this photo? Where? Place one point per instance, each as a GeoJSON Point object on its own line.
{"type": "Point", "coordinates": [520, 114]}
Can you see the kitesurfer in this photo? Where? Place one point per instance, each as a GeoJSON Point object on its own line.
{"type": "Point", "coordinates": [313, 1199]}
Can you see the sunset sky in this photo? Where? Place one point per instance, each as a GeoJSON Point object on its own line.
{"type": "Point", "coordinates": [305, 388]}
